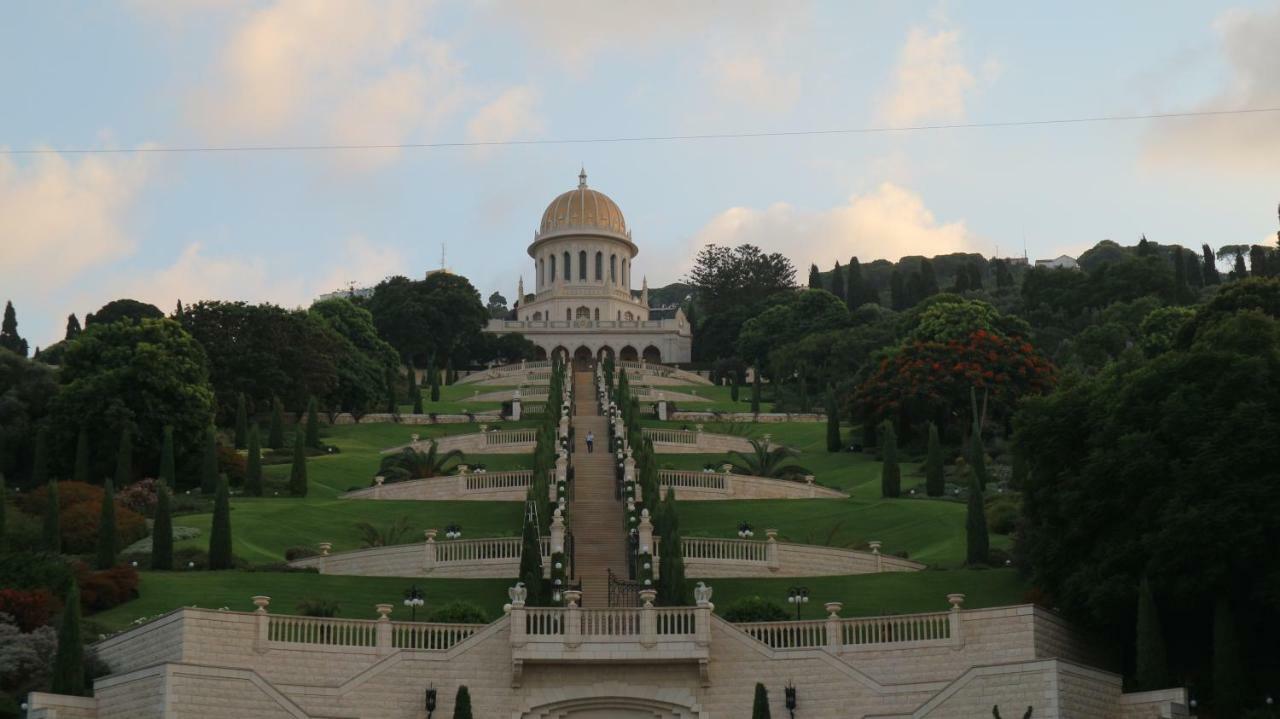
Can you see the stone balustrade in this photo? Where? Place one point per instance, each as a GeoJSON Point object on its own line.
{"type": "Point", "coordinates": [483, 558]}
{"type": "Point", "coordinates": [907, 631]}
{"type": "Point", "coordinates": [500, 441]}
{"type": "Point", "coordinates": [693, 485]}
{"type": "Point", "coordinates": [477, 486]}
{"type": "Point", "coordinates": [714, 557]}
{"type": "Point", "coordinates": [684, 441]}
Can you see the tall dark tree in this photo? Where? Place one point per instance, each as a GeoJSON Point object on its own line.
{"type": "Point", "coordinates": [1258, 256]}
{"type": "Point", "coordinates": [73, 327]}
{"type": "Point", "coordinates": [168, 466]}
{"type": "Point", "coordinates": [124, 459]}
{"type": "Point", "coordinates": [68, 663]}
{"type": "Point", "coordinates": [178, 312]}
{"type": "Point", "coordinates": [108, 537]}
{"type": "Point", "coordinates": [81, 471]}
{"type": "Point", "coordinates": [531, 564]}
{"type": "Point", "coordinates": [1144, 247]}
{"type": "Point", "coordinates": [313, 425]}
{"type": "Point", "coordinates": [975, 275]}
{"type": "Point", "coordinates": [755, 389]}
{"type": "Point", "coordinates": [1180, 281]}
{"type": "Point", "coordinates": [1004, 278]}
{"type": "Point", "coordinates": [928, 280]}
{"type": "Point", "coordinates": [760, 704]}
{"type": "Point", "coordinates": [439, 315]}
{"type": "Point", "coordinates": [833, 422]}
{"type": "Point", "coordinates": [162, 532]}
{"type": "Point", "coordinates": [1191, 265]}
{"type": "Point", "coordinates": [123, 310]}
{"type": "Point", "coordinates": [1240, 271]}
{"type": "Point", "coordinates": [462, 701]}
{"type": "Point", "coordinates": [416, 394]}
{"type": "Point", "coordinates": [934, 473]}
{"type": "Point", "coordinates": [298, 472]}
{"type": "Point", "coordinates": [897, 290]}
{"type": "Point", "coordinates": [857, 292]}
{"type": "Point", "coordinates": [977, 541]}
{"type": "Point", "coordinates": [4, 524]}
{"type": "Point", "coordinates": [413, 384]}
{"type": "Point", "coordinates": [815, 278]}
{"type": "Point", "coordinates": [672, 591]}
{"type": "Point", "coordinates": [51, 528]}
{"type": "Point", "coordinates": [1152, 663]}
{"type": "Point", "coordinates": [242, 423]}
{"type": "Point", "coordinates": [220, 528]}
{"type": "Point", "coordinates": [275, 432]}
{"type": "Point", "coordinates": [9, 338]}
{"type": "Point", "coordinates": [433, 377]}
{"type": "Point", "coordinates": [253, 466]}
{"type": "Point", "coordinates": [837, 282]}
{"type": "Point", "coordinates": [890, 472]}
{"type": "Point", "coordinates": [1230, 685]}
{"type": "Point", "coordinates": [209, 462]}
{"type": "Point", "coordinates": [1209, 266]}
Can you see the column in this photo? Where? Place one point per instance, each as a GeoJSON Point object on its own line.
{"type": "Point", "coordinates": [264, 623]}
{"type": "Point", "coordinates": [648, 618]}
{"type": "Point", "coordinates": [702, 620]}
{"type": "Point", "coordinates": [519, 629]}
{"type": "Point", "coordinates": [875, 549]}
{"type": "Point", "coordinates": [956, 600]}
{"type": "Point", "coordinates": [573, 619]}
{"type": "Point", "coordinates": [771, 550]}
{"type": "Point", "coordinates": [384, 628]}
{"type": "Point", "coordinates": [429, 554]}
{"type": "Point", "coordinates": [834, 640]}
{"type": "Point", "coordinates": [557, 532]}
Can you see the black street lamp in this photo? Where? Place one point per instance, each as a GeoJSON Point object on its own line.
{"type": "Point", "coordinates": [414, 598]}
{"type": "Point", "coordinates": [790, 690]}
{"type": "Point", "coordinates": [798, 596]}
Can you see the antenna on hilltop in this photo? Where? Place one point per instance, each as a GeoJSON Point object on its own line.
{"type": "Point", "coordinates": [444, 245]}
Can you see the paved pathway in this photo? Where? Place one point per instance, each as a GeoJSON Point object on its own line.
{"type": "Point", "coordinates": [599, 542]}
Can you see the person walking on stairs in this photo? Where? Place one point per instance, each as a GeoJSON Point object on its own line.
{"type": "Point", "coordinates": [591, 441]}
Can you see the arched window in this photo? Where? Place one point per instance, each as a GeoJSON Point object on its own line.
{"type": "Point", "coordinates": [613, 269]}
{"type": "Point", "coordinates": [597, 314]}
{"type": "Point", "coordinates": [568, 268]}
{"type": "Point", "coordinates": [599, 266]}
{"type": "Point", "coordinates": [625, 283]}
{"type": "Point", "coordinates": [537, 316]}
{"type": "Point", "coordinates": [542, 267]}
{"type": "Point", "coordinates": [582, 265]}
{"type": "Point", "coordinates": [619, 315]}
{"type": "Point", "coordinates": [568, 314]}
{"type": "Point", "coordinates": [629, 316]}
{"type": "Point", "coordinates": [583, 313]}
{"type": "Point", "coordinates": [553, 268]}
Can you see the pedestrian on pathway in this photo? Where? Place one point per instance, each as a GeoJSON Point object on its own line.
{"type": "Point", "coordinates": [591, 441]}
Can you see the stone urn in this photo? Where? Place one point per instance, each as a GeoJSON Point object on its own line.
{"type": "Point", "coordinates": [833, 609]}
{"type": "Point", "coordinates": [647, 596]}
{"type": "Point", "coordinates": [572, 598]}
{"type": "Point", "coordinates": [384, 610]}
{"type": "Point", "coordinates": [325, 548]}
{"type": "Point", "coordinates": [261, 602]}
{"type": "Point", "coordinates": [956, 601]}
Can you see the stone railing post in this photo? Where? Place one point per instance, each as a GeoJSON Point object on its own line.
{"type": "Point", "coordinates": [429, 555]}
{"type": "Point", "coordinates": [264, 623]}
{"type": "Point", "coordinates": [325, 548]}
{"type": "Point", "coordinates": [629, 468]}
{"type": "Point", "coordinates": [875, 549]}
{"type": "Point", "coordinates": [768, 438]}
{"type": "Point", "coordinates": [834, 640]}
{"type": "Point", "coordinates": [771, 550]}
{"type": "Point", "coordinates": [808, 479]}
{"type": "Point", "coordinates": [557, 532]}
{"type": "Point", "coordinates": [648, 618]}
{"type": "Point", "coordinates": [644, 533]}
{"type": "Point", "coordinates": [377, 486]}
{"type": "Point", "coordinates": [698, 437]}
{"type": "Point", "coordinates": [572, 618]}
{"type": "Point", "coordinates": [384, 628]}
{"type": "Point", "coordinates": [957, 601]}
{"type": "Point", "coordinates": [702, 618]}
{"type": "Point", "coordinates": [662, 410]}
{"type": "Point", "coordinates": [564, 425]}
{"type": "Point", "coordinates": [562, 466]}
{"type": "Point", "coordinates": [519, 629]}
{"type": "Point", "coordinates": [515, 406]}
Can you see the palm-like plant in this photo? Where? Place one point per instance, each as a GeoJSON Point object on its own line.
{"type": "Point", "coordinates": [767, 460]}
{"type": "Point", "coordinates": [410, 463]}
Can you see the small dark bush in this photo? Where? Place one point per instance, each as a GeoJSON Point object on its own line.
{"type": "Point", "coordinates": [755, 609]}
{"type": "Point", "coordinates": [318, 608]}
{"type": "Point", "coordinates": [1002, 514]}
{"type": "Point", "coordinates": [281, 567]}
{"type": "Point", "coordinates": [33, 570]}
{"type": "Point", "coordinates": [459, 612]}
{"type": "Point", "coordinates": [300, 552]}
{"type": "Point", "coordinates": [30, 608]}
{"type": "Point", "coordinates": [999, 558]}
{"type": "Point", "coordinates": [107, 588]}
{"type": "Point", "coordinates": [184, 555]}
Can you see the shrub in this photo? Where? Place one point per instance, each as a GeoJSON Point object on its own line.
{"type": "Point", "coordinates": [300, 552]}
{"type": "Point", "coordinates": [80, 509]}
{"type": "Point", "coordinates": [1002, 514]}
{"type": "Point", "coordinates": [106, 588]}
{"type": "Point", "coordinates": [30, 608]}
{"type": "Point", "coordinates": [232, 464]}
{"type": "Point", "coordinates": [197, 557]}
{"type": "Point", "coordinates": [318, 608]}
{"type": "Point", "coordinates": [140, 497]}
{"type": "Point", "coordinates": [35, 570]}
{"type": "Point", "coordinates": [458, 612]}
{"type": "Point", "coordinates": [755, 609]}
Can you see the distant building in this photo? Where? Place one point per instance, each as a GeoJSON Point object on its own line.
{"type": "Point", "coordinates": [346, 294]}
{"type": "Point", "coordinates": [1061, 262]}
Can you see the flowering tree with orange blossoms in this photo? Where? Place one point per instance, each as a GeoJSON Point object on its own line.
{"type": "Point", "coordinates": [930, 381]}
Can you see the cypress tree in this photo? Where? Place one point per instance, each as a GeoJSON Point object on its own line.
{"type": "Point", "coordinates": [833, 422]}
{"type": "Point", "coordinates": [1209, 266]}
{"type": "Point", "coordinates": [935, 484]}
{"type": "Point", "coordinates": [929, 281]}
{"type": "Point", "coordinates": [733, 387]}
{"type": "Point", "coordinates": [1194, 276]}
{"type": "Point", "coordinates": [275, 432]}
{"type": "Point", "coordinates": [52, 529]}
{"type": "Point", "coordinates": [168, 469]}
{"type": "Point", "coordinates": [815, 277]}
{"type": "Point", "coordinates": [9, 338]}
{"type": "Point", "coordinates": [108, 540]}
{"type": "Point", "coordinates": [68, 663]}
{"type": "Point", "coordinates": [313, 425]}
{"type": "Point", "coordinates": [978, 456]}
{"type": "Point", "coordinates": [1179, 272]}
{"type": "Point", "coordinates": [81, 473]}
{"type": "Point", "coordinates": [1152, 664]}
{"type": "Point", "coordinates": [531, 564]}
{"type": "Point", "coordinates": [253, 468]}
{"type": "Point", "coordinates": [897, 290]}
{"type": "Point", "coordinates": [162, 532]}
{"type": "Point", "coordinates": [837, 281]}
{"type": "Point", "coordinates": [434, 378]}
{"type": "Point", "coordinates": [1239, 273]}
{"type": "Point", "coordinates": [73, 327]}
{"type": "Point", "coordinates": [462, 703]}
{"type": "Point", "coordinates": [124, 459]}
{"type": "Point", "coordinates": [392, 406]}
{"type": "Point", "coordinates": [298, 472]}
{"type": "Point", "coordinates": [755, 389]}
{"type": "Point", "coordinates": [890, 472]}
{"type": "Point", "coordinates": [760, 706]}
{"type": "Point", "coordinates": [1144, 247]}
{"type": "Point", "coordinates": [671, 585]}
{"type": "Point", "coordinates": [450, 376]}
{"type": "Point", "coordinates": [857, 293]}
{"type": "Point", "coordinates": [4, 529]}
{"type": "Point", "coordinates": [220, 530]}
{"type": "Point", "coordinates": [1228, 671]}
{"type": "Point", "coordinates": [413, 384]}
{"type": "Point", "coordinates": [242, 423]}
{"type": "Point", "coordinates": [977, 543]}
{"type": "Point", "coordinates": [209, 462]}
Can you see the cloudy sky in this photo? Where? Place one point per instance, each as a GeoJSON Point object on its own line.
{"type": "Point", "coordinates": [79, 229]}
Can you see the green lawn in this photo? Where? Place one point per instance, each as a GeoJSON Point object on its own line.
{"type": "Point", "coordinates": [929, 530]}
{"type": "Point", "coordinates": [454, 399]}
{"type": "Point", "coordinates": [721, 399]}
{"type": "Point", "coordinates": [877, 594]}
{"type": "Point", "coordinates": [356, 596]}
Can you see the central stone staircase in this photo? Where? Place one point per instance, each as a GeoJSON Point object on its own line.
{"type": "Point", "coordinates": [598, 519]}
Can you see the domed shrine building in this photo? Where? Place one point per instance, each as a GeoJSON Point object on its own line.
{"type": "Point", "coordinates": [583, 305]}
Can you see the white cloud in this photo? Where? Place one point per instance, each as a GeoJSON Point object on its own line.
{"type": "Point", "coordinates": [61, 216]}
{"type": "Point", "coordinates": [511, 115]}
{"type": "Point", "coordinates": [750, 79]}
{"type": "Point", "coordinates": [1236, 142]}
{"type": "Point", "coordinates": [931, 79]}
{"type": "Point", "coordinates": [890, 222]}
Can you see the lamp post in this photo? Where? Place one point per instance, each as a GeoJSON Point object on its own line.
{"type": "Point", "coordinates": [745, 531]}
{"type": "Point", "coordinates": [414, 598]}
{"type": "Point", "coordinates": [798, 596]}
{"type": "Point", "coordinates": [453, 531]}
{"type": "Point", "coordinates": [790, 693]}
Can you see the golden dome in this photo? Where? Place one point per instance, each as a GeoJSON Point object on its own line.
{"type": "Point", "coordinates": [583, 209]}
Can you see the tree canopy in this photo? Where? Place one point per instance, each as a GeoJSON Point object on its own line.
{"type": "Point", "coordinates": [427, 318]}
{"type": "Point", "coordinates": [123, 309]}
{"type": "Point", "coordinates": [730, 286]}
